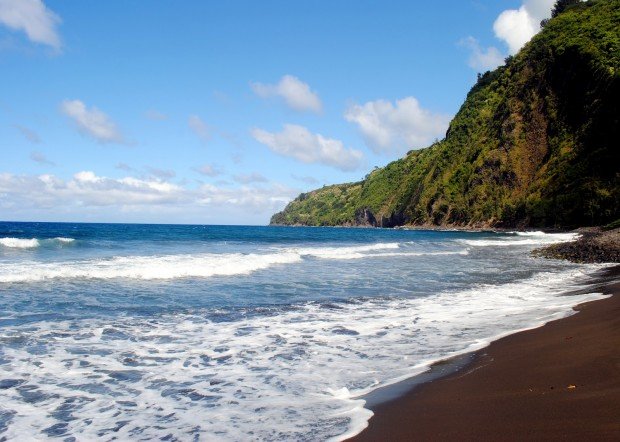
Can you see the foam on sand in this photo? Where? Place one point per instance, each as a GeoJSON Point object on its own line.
{"type": "Point", "coordinates": [301, 368]}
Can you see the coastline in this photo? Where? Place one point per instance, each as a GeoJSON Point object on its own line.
{"type": "Point", "coordinates": [558, 381]}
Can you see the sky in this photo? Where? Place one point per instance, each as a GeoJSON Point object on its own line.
{"type": "Point", "coordinates": [221, 112]}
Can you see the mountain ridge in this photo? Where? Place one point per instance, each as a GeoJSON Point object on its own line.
{"type": "Point", "coordinates": [533, 145]}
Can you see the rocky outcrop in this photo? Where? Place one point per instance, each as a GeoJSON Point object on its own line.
{"type": "Point", "coordinates": [364, 217]}
{"type": "Point", "coordinates": [593, 246]}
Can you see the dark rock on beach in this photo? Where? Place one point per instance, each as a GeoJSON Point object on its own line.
{"type": "Point", "coordinates": [593, 246]}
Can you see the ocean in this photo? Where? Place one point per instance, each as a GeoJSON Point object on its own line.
{"type": "Point", "coordinates": [188, 332]}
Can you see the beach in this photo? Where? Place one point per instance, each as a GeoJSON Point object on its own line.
{"type": "Point", "coordinates": [557, 382]}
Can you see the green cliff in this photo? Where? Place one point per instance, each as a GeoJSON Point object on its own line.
{"type": "Point", "coordinates": [535, 143]}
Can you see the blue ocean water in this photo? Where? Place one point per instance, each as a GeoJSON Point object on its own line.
{"type": "Point", "coordinates": [177, 332]}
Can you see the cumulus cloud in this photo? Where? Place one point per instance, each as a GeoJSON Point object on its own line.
{"type": "Point", "coordinates": [305, 179]}
{"type": "Point", "coordinates": [299, 143]}
{"type": "Point", "coordinates": [209, 170]}
{"type": "Point", "coordinates": [296, 94]}
{"type": "Point", "coordinates": [34, 18]}
{"type": "Point", "coordinates": [124, 166]}
{"type": "Point", "coordinates": [28, 134]}
{"type": "Point", "coordinates": [482, 59]}
{"type": "Point", "coordinates": [199, 127]}
{"type": "Point", "coordinates": [517, 26]}
{"type": "Point", "coordinates": [250, 178]}
{"type": "Point", "coordinates": [161, 173]}
{"type": "Point", "coordinates": [396, 128]}
{"type": "Point", "coordinates": [40, 158]}
{"type": "Point", "coordinates": [86, 190]}
{"type": "Point", "coordinates": [92, 122]}
{"type": "Point", "coordinates": [264, 199]}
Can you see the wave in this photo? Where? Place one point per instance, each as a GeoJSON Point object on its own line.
{"type": "Point", "coordinates": [530, 233]}
{"type": "Point", "coordinates": [196, 265]}
{"type": "Point", "coordinates": [566, 236]}
{"type": "Point", "coordinates": [33, 243]}
{"type": "Point", "coordinates": [352, 252]}
{"type": "Point", "coordinates": [302, 370]}
{"type": "Point", "coordinates": [522, 239]}
{"type": "Point", "coordinates": [146, 267]}
{"type": "Point", "coordinates": [19, 243]}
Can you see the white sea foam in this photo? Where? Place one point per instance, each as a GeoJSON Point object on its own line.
{"type": "Point", "coordinates": [32, 243]}
{"type": "Point", "coordinates": [522, 239]}
{"type": "Point", "coordinates": [191, 265]}
{"type": "Point", "coordinates": [347, 252]}
{"type": "Point", "coordinates": [146, 267]}
{"type": "Point", "coordinates": [288, 374]}
{"type": "Point", "coordinates": [531, 233]}
{"type": "Point", "coordinates": [19, 243]}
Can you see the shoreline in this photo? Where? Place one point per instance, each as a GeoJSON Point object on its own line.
{"type": "Point", "coordinates": [438, 228]}
{"type": "Point", "coordinates": [557, 381]}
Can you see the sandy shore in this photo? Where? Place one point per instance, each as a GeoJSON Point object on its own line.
{"type": "Point", "coordinates": [557, 382]}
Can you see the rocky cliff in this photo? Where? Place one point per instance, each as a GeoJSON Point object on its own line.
{"type": "Point", "coordinates": [535, 144]}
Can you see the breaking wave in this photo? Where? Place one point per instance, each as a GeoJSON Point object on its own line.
{"type": "Point", "coordinates": [286, 374]}
{"type": "Point", "coordinates": [33, 243]}
{"type": "Point", "coordinates": [522, 239]}
{"type": "Point", "coordinates": [196, 265]}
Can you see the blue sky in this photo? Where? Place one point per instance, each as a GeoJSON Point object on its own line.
{"type": "Point", "coordinates": [221, 112]}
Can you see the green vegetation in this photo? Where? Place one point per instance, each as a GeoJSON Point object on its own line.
{"type": "Point", "coordinates": [534, 144]}
{"type": "Point", "coordinates": [562, 5]}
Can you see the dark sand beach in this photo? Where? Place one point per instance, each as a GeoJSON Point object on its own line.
{"type": "Point", "coordinates": [557, 382]}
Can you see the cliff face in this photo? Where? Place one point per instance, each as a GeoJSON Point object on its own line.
{"type": "Point", "coordinates": [536, 143]}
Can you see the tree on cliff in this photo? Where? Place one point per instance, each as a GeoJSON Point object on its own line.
{"type": "Point", "coordinates": [562, 5]}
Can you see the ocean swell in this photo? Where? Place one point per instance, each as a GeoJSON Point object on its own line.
{"type": "Point", "coordinates": [196, 265]}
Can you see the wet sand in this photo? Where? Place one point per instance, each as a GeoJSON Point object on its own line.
{"type": "Point", "coordinates": [557, 382]}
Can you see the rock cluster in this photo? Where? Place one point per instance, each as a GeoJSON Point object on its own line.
{"type": "Point", "coordinates": [594, 246]}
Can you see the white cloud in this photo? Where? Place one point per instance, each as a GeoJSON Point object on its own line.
{"type": "Point", "coordinates": [299, 143]}
{"type": "Point", "coordinates": [32, 17]}
{"type": "Point", "coordinates": [481, 59]}
{"type": "Point", "coordinates": [305, 179]}
{"type": "Point", "coordinates": [266, 200]}
{"type": "Point", "coordinates": [199, 127]}
{"type": "Point", "coordinates": [396, 128]}
{"type": "Point", "coordinates": [296, 94]}
{"type": "Point", "coordinates": [250, 178]}
{"type": "Point", "coordinates": [161, 173]}
{"type": "Point", "coordinates": [28, 134]}
{"type": "Point", "coordinates": [92, 122]}
{"type": "Point", "coordinates": [209, 170]}
{"type": "Point", "coordinates": [88, 193]}
{"type": "Point", "coordinates": [124, 166]}
{"type": "Point", "coordinates": [539, 9]}
{"type": "Point", "coordinates": [517, 26]}
{"type": "Point", "coordinates": [85, 188]}
{"type": "Point", "coordinates": [40, 158]}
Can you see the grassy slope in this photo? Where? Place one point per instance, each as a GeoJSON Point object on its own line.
{"type": "Point", "coordinates": [534, 144]}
